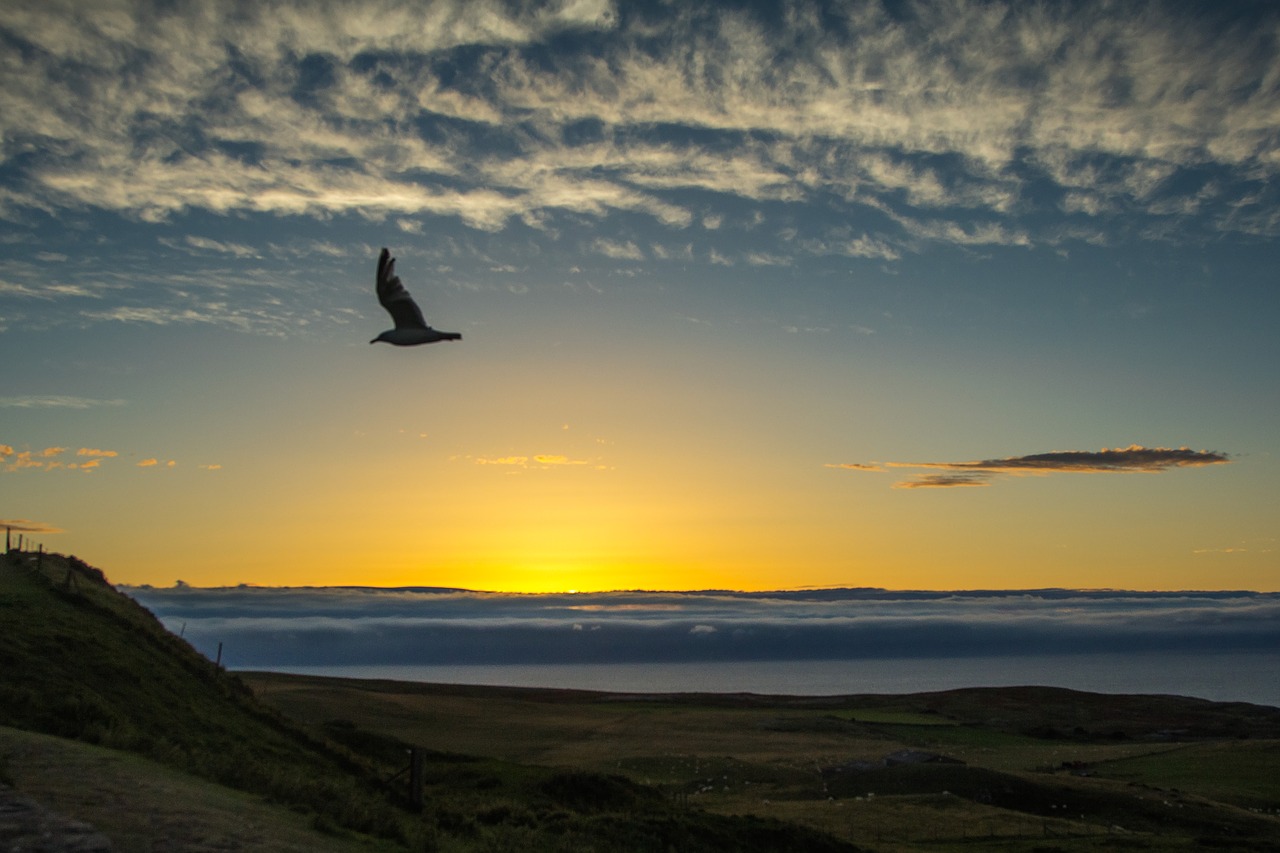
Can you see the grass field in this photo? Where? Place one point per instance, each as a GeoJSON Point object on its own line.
{"type": "Point", "coordinates": [820, 762]}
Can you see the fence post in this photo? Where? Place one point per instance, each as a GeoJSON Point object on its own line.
{"type": "Point", "coordinates": [415, 777]}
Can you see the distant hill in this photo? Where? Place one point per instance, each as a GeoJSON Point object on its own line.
{"type": "Point", "coordinates": [80, 660]}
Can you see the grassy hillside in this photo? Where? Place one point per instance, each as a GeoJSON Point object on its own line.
{"type": "Point", "coordinates": [80, 660]}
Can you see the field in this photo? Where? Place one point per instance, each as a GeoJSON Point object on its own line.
{"type": "Point", "coordinates": [1006, 767]}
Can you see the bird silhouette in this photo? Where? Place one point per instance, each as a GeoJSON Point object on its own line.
{"type": "Point", "coordinates": [411, 329]}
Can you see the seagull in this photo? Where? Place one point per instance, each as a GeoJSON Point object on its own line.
{"type": "Point", "coordinates": [410, 329]}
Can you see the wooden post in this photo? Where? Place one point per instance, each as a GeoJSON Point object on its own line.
{"type": "Point", "coordinates": [217, 664]}
{"type": "Point", "coordinates": [415, 777]}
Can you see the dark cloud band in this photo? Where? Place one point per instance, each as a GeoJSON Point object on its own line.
{"type": "Point", "coordinates": [1121, 460]}
{"type": "Point", "coordinates": [1126, 459]}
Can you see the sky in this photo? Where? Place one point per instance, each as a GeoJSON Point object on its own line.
{"type": "Point", "coordinates": [753, 296]}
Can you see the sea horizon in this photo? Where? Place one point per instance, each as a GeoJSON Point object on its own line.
{"type": "Point", "coordinates": [1216, 676]}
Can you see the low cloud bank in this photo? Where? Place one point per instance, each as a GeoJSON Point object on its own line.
{"type": "Point", "coordinates": [343, 626]}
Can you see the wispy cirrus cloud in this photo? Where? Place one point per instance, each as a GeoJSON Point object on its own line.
{"type": "Point", "coordinates": [1132, 459]}
{"type": "Point", "coordinates": [951, 120]}
{"type": "Point", "coordinates": [206, 244]}
{"type": "Point", "coordinates": [627, 251]}
{"type": "Point", "coordinates": [55, 401]}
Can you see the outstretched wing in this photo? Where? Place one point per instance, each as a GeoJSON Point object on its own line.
{"type": "Point", "coordinates": [391, 293]}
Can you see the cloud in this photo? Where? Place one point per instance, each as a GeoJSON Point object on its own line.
{"type": "Point", "coordinates": [55, 401]}
{"type": "Point", "coordinates": [153, 315]}
{"type": "Point", "coordinates": [628, 251]}
{"type": "Point", "coordinates": [237, 250]}
{"type": "Point", "coordinates": [50, 459]}
{"type": "Point", "coordinates": [502, 460]}
{"type": "Point", "coordinates": [1121, 460]}
{"type": "Point", "coordinates": [855, 466]}
{"type": "Point", "coordinates": [556, 459]}
{"type": "Point", "coordinates": [26, 525]}
{"type": "Point", "coordinates": [1133, 458]}
{"type": "Point", "coordinates": [274, 627]}
{"type": "Point", "coordinates": [15, 460]}
{"type": "Point", "coordinates": [45, 290]}
{"type": "Point", "coordinates": [965, 123]}
{"type": "Point", "coordinates": [537, 461]}
{"type": "Point", "coordinates": [767, 259]}
{"type": "Point", "coordinates": [946, 481]}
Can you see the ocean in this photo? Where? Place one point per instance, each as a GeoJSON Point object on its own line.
{"type": "Point", "coordinates": [1228, 677]}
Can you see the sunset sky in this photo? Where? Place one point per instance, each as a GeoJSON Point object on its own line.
{"type": "Point", "coordinates": [914, 295]}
